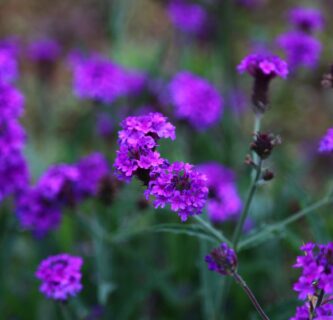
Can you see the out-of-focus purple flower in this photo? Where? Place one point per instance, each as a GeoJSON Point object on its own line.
{"type": "Point", "coordinates": [179, 185]}
{"type": "Point", "coordinates": [138, 141]}
{"type": "Point", "coordinates": [100, 79]}
{"type": "Point", "coordinates": [61, 276]}
{"type": "Point", "coordinates": [8, 65]}
{"type": "Point", "coordinates": [326, 142]}
{"type": "Point", "coordinates": [223, 202]}
{"type": "Point", "coordinates": [222, 260]}
{"type": "Point", "coordinates": [195, 100]}
{"type": "Point", "coordinates": [104, 125]}
{"type": "Point", "coordinates": [11, 102]}
{"type": "Point", "coordinates": [44, 50]}
{"type": "Point", "coordinates": [323, 312]}
{"type": "Point", "coordinates": [302, 50]}
{"type": "Point", "coordinates": [188, 17]}
{"type": "Point", "coordinates": [92, 169]}
{"type": "Point", "coordinates": [12, 137]}
{"type": "Point", "coordinates": [306, 19]}
{"type": "Point", "coordinates": [317, 270]}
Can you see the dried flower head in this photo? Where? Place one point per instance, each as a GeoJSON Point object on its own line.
{"type": "Point", "coordinates": [264, 143]}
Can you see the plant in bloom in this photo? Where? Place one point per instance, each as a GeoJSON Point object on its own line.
{"type": "Point", "coordinates": [181, 186]}
{"type": "Point", "coordinates": [223, 201]}
{"type": "Point", "coordinates": [222, 260]}
{"type": "Point", "coordinates": [306, 19]}
{"type": "Point", "coordinates": [195, 100]}
{"type": "Point", "coordinates": [44, 50]}
{"type": "Point", "coordinates": [8, 65]}
{"type": "Point", "coordinates": [60, 276]}
{"type": "Point", "coordinates": [326, 142]}
{"type": "Point", "coordinates": [323, 312]}
{"type": "Point", "coordinates": [137, 153]}
{"type": "Point", "coordinates": [302, 50]}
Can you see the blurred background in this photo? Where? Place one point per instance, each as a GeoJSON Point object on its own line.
{"type": "Point", "coordinates": [133, 269]}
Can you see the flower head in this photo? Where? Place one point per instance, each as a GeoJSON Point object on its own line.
{"type": "Point", "coordinates": [11, 102]}
{"type": "Point", "coordinates": [44, 50]}
{"type": "Point", "coordinates": [323, 312]}
{"type": "Point", "coordinates": [195, 100]}
{"type": "Point", "coordinates": [326, 142]}
{"type": "Point", "coordinates": [8, 65]}
{"type": "Point", "coordinates": [180, 186]}
{"type": "Point", "coordinates": [61, 276]}
{"type": "Point", "coordinates": [222, 260]}
{"type": "Point", "coordinates": [264, 144]}
{"type": "Point", "coordinates": [301, 49]}
{"type": "Point", "coordinates": [306, 19]}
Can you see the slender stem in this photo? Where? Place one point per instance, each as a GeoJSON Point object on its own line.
{"type": "Point", "coordinates": [217, 234]}
{"type": "Point", "coordinates": [247, 206]}
{"type": "Point", "coordinates": [282, 224]}
{"type": "Point", "coordinates": [256, 128]}
{"type": "Point", "coordinates": [250, 294]}
{"type": "Point", "coordinates": [257, 122]}
{"type": "Point", "coordinates": [65, 311]}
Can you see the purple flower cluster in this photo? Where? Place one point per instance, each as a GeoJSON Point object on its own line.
{"type": "Point", "coordinates": [190, 18]}
{"type": "Point", "coordinates": [61, 276]}
{"type": "Point", "coordinates": [8, 65]}
{"type": "Point", "coordinates": [326, 142]}
{"type": "Point", "coordinates": [301, 49]}
{"type": "Point", "coordinates": [222, 260]}
{"type": "Point", "coordinates": [44, 50]}
{"type": "Point", "coordinates": [223, 202]}
{"type": "Point", "coordinates": [306, 19]}
{"type": "Point", "coordinates": [263, 65]}
{"type": "Point", "coordinates": [179, 185]}
{"type": "Point", "coordinates": [102, 80]}
{"type": "Point", "coordinates": [195, 100]}
{"type": "Point", "coordinates": [324, 312]}
{"type": "Point", "coordinates": [138, 141]}
{"type": "Point", "coordinates": [39, 208]}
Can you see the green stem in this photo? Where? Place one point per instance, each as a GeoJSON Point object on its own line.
{"type": "Point", "coordinates": [250, 294]}
{"type": "Point", "coordinates": [247, 206]}
{"type": "Point", "coordinates": [65, 311]}
{"type": "Point", "coordinates": [282, 224]}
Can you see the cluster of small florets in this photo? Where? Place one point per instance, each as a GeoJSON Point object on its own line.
{"type": "Point", "coordinates": [315, 282]}
{"type": "Point", "coordinates": [195, 100]}
{"type": "Point", "coordinates": [61, 276]}
{"type": "Point", "coordinates": [44, 50]}
{"type": "Point", "coordinates": [223, 201]}
{"type": "Point", "coordinates": [326, 142]}
{"type": "Point", "coordinates": [306, 19]}
{"type": "Point", "coordinates": [39, 208]}
{"type": "Point", "coordinates": [100, 79]}
{"type": "Point", "coordinates": [177, 184]}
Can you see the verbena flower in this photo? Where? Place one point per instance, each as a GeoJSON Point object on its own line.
{"type": "Point", "coordinates": [181, 186]}
{"type": "Point", "coordinates": [190, 18]}
{"type": "Point", "coordinates": [195, 100]}
{"type": "Point", "coordinates": [137, 144]}
{"type": "Point", "coordinates": [223, 201]}
{"type": "Point", "coordinates": [100, 79]}
{"type": "Point", "coordinates": [324, 312]}
{"type": "Point", "coordinates": [8, 65]}
{"type": "Point", "coordinates": [317, 270]}
{"type": "Point", "coordinates": [302, 50]}
{"type": "Point", "coordinates": [222, 260]}
{"type": "Point", "coordinates": [61, 276]}
{"type": "Point", "coordinates": [11, 102]}
{"type": "Point", "coordinates": [306, 19]}
{"type": "Point", "coordinates": [326, 142]}
{"type": "Point", "coordinates": [44, 50]}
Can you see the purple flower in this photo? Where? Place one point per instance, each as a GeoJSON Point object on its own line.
{"type": "Point", "coordinates": [44, 50]}
{"type": "Point", "coordinates": [301, 49]}
{"type": "Point", "coordinates": [61, 276]}
{"type": "Point", "coordinates": [187, 17]}
{"type": "Point", "coordinates": [317, 270]}
{"type": "Point", "coordinates": [195, 100]}
{"type": "Point", "coordinates": [223, 202]}
{"type": "Point", "coordinates": [92, 169]}
{"type": "Point", "coordinates": [326, 142]}
{"type": "Point", "coordinates": [104, 125]}
{"type": "Point", "coordinates": [102, 80]}
{"type": "Point", "coordinates": [323, 312]}
{"type": "Point", "coordinates": [222, 260]}
{"type": "Point", "coordinates": [8, 65]}
{"type": "Point", "coordinates": [138, 141]}
{"type": "Point", "coordinates": [306, 19]}
{"type": "Point", "coordinates": [180, 186]}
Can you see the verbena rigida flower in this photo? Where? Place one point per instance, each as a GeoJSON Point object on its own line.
{"type": "Point", "coordinates": [263, 68]}
{"type": "Point", "coordinates": [222, 260]}
{"type": "Point", "coordinates": [8, 65]}
{"type": "Point", "coordinates": [61, 276]}
{"type": "Point", "coordinates": [326, 142]}
{"type": "Point", "coordinates": [195, 100]}
{"type": "Point", "coordinates": [302, 50]}
{"type": "Point", "coordinates": [181, 186]}
{"type": "Point", "coordinates": [306, 19]}
{"type": "Point", "coordinates": [138, 141]}
{"type": "Point", "coordinates": [308, 312]}
{"type": "Point", "coordinates": [223, 201]}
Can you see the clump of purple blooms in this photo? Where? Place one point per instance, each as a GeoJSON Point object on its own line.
{"type": "Point", "coordinates": [306, 19]}
{"type": "Point", "coordinates": [8, 65]}
{"type": "Point", "coordinates": [138, 141]}
{"type": "Point", "coordinates": [179, 185]}
{"type": "Point", "coordinates": [324, 312]}
{"type": "Point", "coordinates": [222, 260]}
{"type": "Point", "coordinates": [61, 276]}
{"type": "Point", "coordinates": [100, 79]}
{"type": "Point", "coordinates": [326, 142]}
{"type": "Point", "coordinates": [195, 100]}
{"type": "Point", "coordinates": [223, 201]}
{"type": "Point", "coordinates": [44, 50]}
